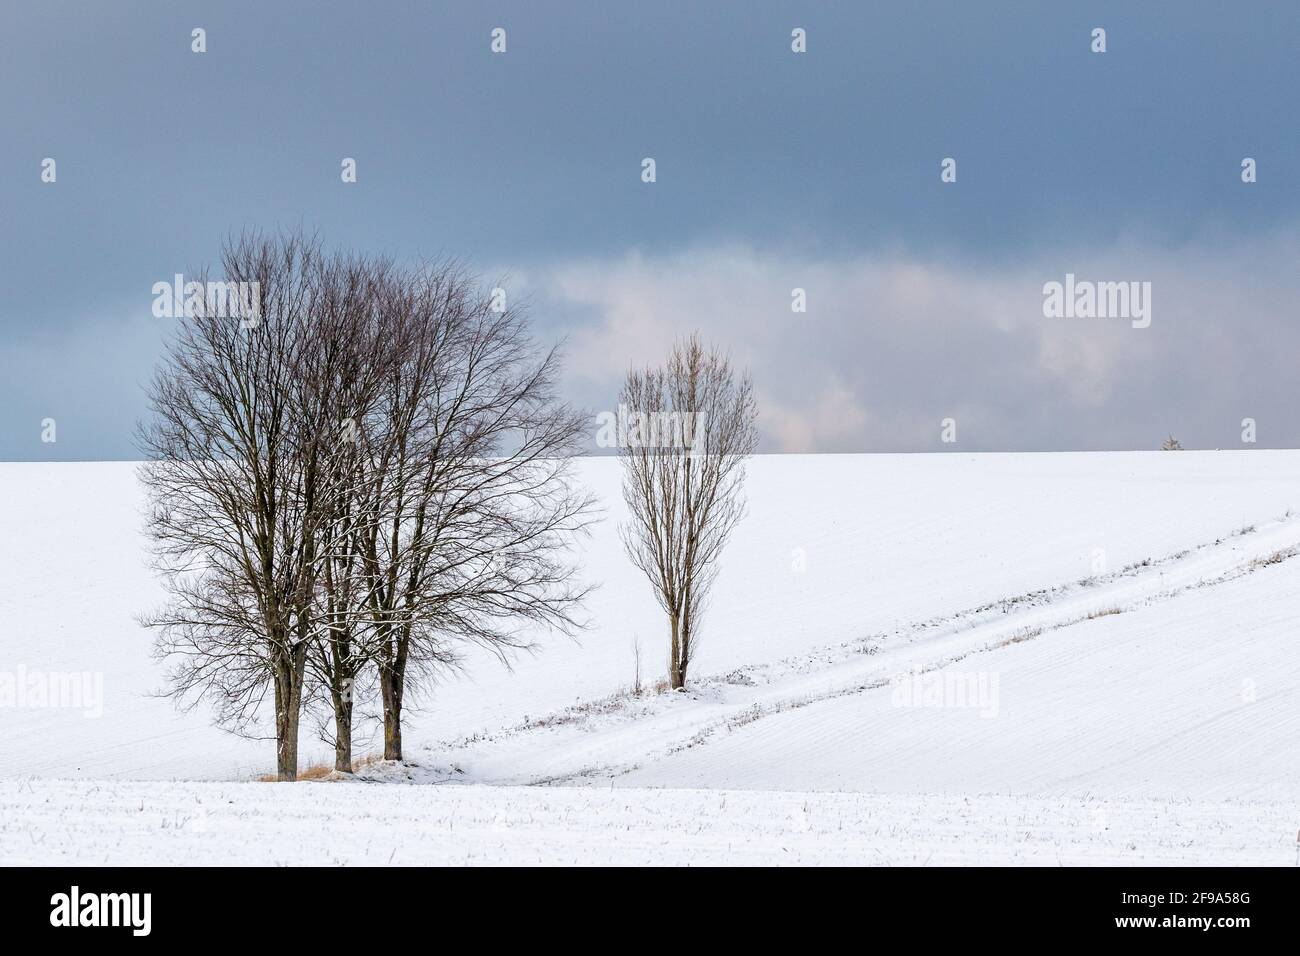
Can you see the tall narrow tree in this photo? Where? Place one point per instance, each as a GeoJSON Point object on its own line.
{"type": "Point", "coordinates": [693, 425]}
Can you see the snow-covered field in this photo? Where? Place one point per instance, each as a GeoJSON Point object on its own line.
{"type": "Point", "coordinates": [1081, 658]}
{"type": "Point", "coordinates": [134, 823]}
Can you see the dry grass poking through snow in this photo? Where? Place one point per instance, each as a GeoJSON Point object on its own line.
{"type": "Point", "coordinates": [1104, 612]}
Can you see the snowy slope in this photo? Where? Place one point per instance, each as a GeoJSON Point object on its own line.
{"type": "Point", "coordinates": [1192, 697]}
{"type": "Point", "coordinates": [1109, 638]}
{"type": "Point", "coordinates": [1176, 678]}
{"type": "Point", "coordinates": [837, 550]}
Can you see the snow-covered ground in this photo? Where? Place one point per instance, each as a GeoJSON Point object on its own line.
{"type": "Point", "coordinates": [137, 823]}
{"type": "Point", "coordinates": [992, 658]}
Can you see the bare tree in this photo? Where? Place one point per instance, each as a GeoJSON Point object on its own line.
{"type": "Point", "coordinates": [352, 358]}
{"type": "Point", "coordinates": [473, 507]}
{"type": "Point", "coordinates": [234, 483]}
{"type": "Point", "coordinates": [686, 430]}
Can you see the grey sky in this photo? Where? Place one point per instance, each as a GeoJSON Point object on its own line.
{"type": "Point", "coordinates": [775, 170]}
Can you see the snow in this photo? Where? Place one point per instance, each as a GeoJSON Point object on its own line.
{"type": "Point", "coordinates": [1128, 618]}
{"type": "Point", "coordinates": [133, 823]}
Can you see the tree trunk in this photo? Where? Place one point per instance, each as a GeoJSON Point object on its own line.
{"type": "Point", "coordinates": [676, 676]}
{"type": "Point", "coordinates": [287, 709]}
{"type": "Point", "coordinates": [342, 672]}
{"type": "Point", "coordinates": [288, 666]}
{"type": "Point", "coordinates": [390, 683]}
{"type": "Point", "coordinates": [342, 732]}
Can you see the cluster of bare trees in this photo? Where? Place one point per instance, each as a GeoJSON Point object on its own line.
{"type": "Point", "coordinates": [348, 489]}
{"type": "Point", "coordinates": [371, 472]}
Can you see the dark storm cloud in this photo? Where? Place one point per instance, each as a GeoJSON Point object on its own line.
{"type": "Point", "coordinates": [775, 170]}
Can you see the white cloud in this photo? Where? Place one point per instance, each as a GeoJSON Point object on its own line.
{"type": "Point", "coordinates": [890, 345]}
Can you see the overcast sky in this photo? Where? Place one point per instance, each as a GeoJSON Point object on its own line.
{"type": "Point", "coordinates": [775, 170]}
